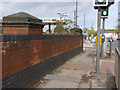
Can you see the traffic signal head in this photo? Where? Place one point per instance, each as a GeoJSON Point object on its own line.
{"type": "Point", "coordinates": [104, 12]}
{"type": "Point", "coordinates": [100, 3]}
{"type": "Point", "coordinates": [110, 2]}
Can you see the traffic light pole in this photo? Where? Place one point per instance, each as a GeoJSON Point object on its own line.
{"type": "Point", "coordinates": [102, 47]}
{"type": "Point", "coordinates": [98, 42]}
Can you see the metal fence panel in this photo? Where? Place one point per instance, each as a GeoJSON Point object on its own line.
{"type": "Point", "coordinates": [117, 67]}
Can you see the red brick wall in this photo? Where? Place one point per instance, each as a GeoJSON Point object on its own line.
{"type": "Point", "coordinates": [22, 30]}
{"type": "Point", "coordinates": [35, 30]}
{"type": "Point", "coordinates": [15, 30]}
{"type": "Point", "coordinates": [20, 55]}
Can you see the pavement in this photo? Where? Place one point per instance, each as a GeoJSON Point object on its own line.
{"type": "Point", "coordinates": [80, 72]}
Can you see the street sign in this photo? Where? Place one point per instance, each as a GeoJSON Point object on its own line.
{"type": "Point", "coordinates": [52, 20]}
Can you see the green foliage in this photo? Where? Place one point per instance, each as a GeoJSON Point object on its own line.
{"type": "Point", "coordinates": [115, 30]}
{"type": "Point", "coordinates": [90, 32]}
{"type": "Point", "coordinates": [72, 32]}
{"type": "Point", "coordinates": [59, 29]}
{"type": "Point", "coordinates": [44, 33]}
{"type": "Point", "coordinates": [93, 31]}
{"type": "Point", "coordinates": [85, 30]}
{"type": "Point", "coordinates": [47, 31]}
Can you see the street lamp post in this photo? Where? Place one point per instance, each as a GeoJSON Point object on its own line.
{"type": "Point", "coordinates": [76, 12]}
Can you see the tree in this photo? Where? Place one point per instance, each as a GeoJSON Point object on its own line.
{"type": "Point", "coordinates": [64, 27]}
{"type": "Point", "coordinates": [115, 30]}
{"type": "Point", "coordinates": [59, 29]}
{"type": "Point", "coordinates": [93, 31]}
{"type": "Point", "coordinates": [70, 24]}
{"type": "Point", "coordinates": [85, 30]}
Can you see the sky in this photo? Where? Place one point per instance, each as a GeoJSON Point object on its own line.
{"type": "Point", "coordinates": [50, 9]}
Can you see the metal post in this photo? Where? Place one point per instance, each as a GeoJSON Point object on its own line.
{"type": "Point", "coordinates": [76, 12]}
{"type": "Point", "coordinates": [110, 48]}
{"type": "Point", "coordinates": [49, 28]}
{"type": "Point", "coordinates": [84, 28]}
{"type": "Point", "coordinates": [84, 20]}
{"type": "Point", "coordinates": [74, 18]}
{"type": "Point", "coordinates": [102, 47]}
{"type": "Point", "coordinates": [98, 41]}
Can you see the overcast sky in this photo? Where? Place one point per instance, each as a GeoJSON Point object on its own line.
{"type": "Point", "coordinates": [50, 10]}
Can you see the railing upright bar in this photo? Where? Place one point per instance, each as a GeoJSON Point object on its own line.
{"type": "Point", "coordinates": [117, 68]}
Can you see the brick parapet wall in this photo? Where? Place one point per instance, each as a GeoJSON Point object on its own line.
{"type": "Point", "coordinates": [19, 55]}
{"type": "Point", "coordinates": [22, 30]}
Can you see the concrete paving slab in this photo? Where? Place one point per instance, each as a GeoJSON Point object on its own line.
{"type": "Point", "coordinates": [76, 73]}
{"type": "Point", "coordinates": [64, 78]}
{"type": "Point", "coordinates": [103, 80]}
{"type": "Point", "coordinates": [83, 85]}
{"type": "Point", "coordinates": [73, 73]}
{"type": "Point", "coordinates": [58, 84]}
{"type": "Point", "coordinates": [82, 67]}
{"type": "Point", "coordinates": [107, 66]}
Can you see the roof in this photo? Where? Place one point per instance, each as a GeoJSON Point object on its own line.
{"type": "Point", "coordinates": [22, 14]}
{"type": "Point", "coordinates": [21, 17]}
{"type": "Point", "coordinates": [109, 32]}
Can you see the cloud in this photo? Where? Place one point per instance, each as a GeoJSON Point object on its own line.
{"type": "Point", "coordinates": [46, 1]}
{"type": "Point", "coordinates": [49, 0]}
{"type": "Point", "coordinates": [50, 10]}
{"type": "Point", "coordinates": [35, 7]}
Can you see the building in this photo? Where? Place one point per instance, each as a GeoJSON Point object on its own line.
{"type": "Point", "coordinates": [112, 34]}
{"type": "Point", "coordinates": [22, 23]}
